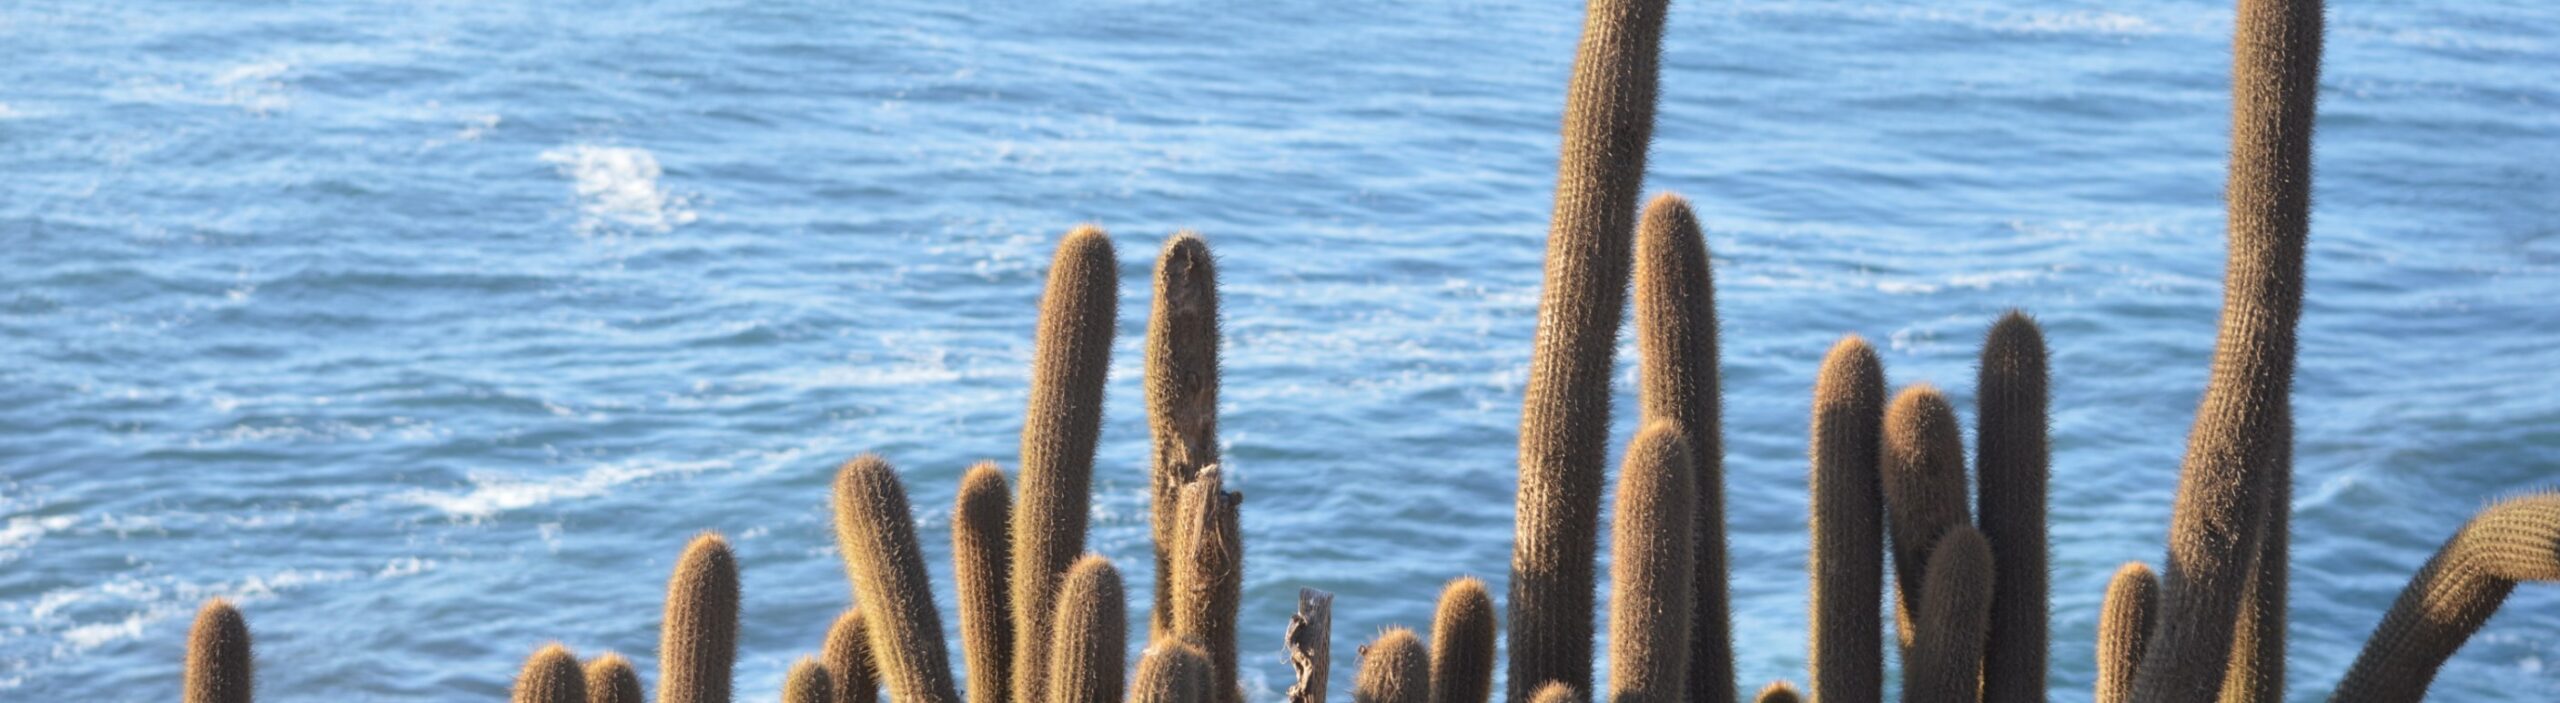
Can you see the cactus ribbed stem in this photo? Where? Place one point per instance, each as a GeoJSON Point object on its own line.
{"type": "Point", "coordinates": [1092, 632]}
{"type": "Point", "coordinates": [807, 683]}
{"type": "Point", "coordinates": [2244, 424]}
{"type": "Point", "coordinates": [1923, 473]}
{"type": "Point", "coordinates": [551, 675]}
{"type": "Point", "coordinates": [2013, 457]}
{"type": "Point", "coordinates": [220, 667]}
{"type": "Point", "coordinates": [1182, 395]}
{"type": "Point", "coordinates": [1847, 559]}
{"type": "Point", "coordinates": [1955, 615]}
{"type": "Point", "coordinates": [1462, 633]}
{"type": "Point", "coordinates": [2453, 595]}
{"type": "Point", "coordinates": [2125, 620]}
{"type": "Point", "coordinates": [1071, 357]}
{"type": "Point", "coordinates": [1676, 338]}
{"type": "Point", "coordinates": [610, 679]}
{"type": "Point", "coordinates": [847, 656]}
{"type": "Point", "coordinates": [876, 532]}
{"type": "Point", "coordinates": [1554, 692]}
{"type": "Point", "coordinates": [1309, 641]}
{"type": "Point", "coordinates": [1208, 575]}
{"type": "Point", "coordinates": [698, 641]}
{"type": "Point", "coordinates": [1779, 692]}
{"type": "Point", "coordinates": [1393, 669]}
{"type": "Point", "coordinates": [981, 551]}
{"type": "Point", "coordinates": [1649, 569]}
{"type": "Point", "coordinates": [1564, 419]}
{"type": "Point", "coordinates": [1173, 670]}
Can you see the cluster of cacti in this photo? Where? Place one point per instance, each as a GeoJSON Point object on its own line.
{"type": "Point", "coordinates": [1042, 621]}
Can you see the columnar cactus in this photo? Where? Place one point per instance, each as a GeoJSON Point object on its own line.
{"type": "Point", "coordinates": [2125, 621]}
{"type": "Point", "coordinates": [551, 675]}
{"type": "Point", "coordinates": [980, 553]}
{"type": "Point", "coordinates": [1924, 487]}
{"type": "Point", "coordinates": [876, 532]}
{"type": "Point", "coordinates": [1649, 569]}
{"type": "Point", "coordinates": [1462, 641]}
{"type": "Point", "coordinates": [1173, 670]}
{"type": "Point", "coordinates": [1182, 395]}
{"type": "Point", "coordinates": [1847, 562]}
{"type": "Point", "coordinates": [1675, 323]}
{"type": "Point", "coordinates": [847, 656]}
{"type": "Point", "coordinates": [1091, 632]}
{"type": "Point", "coordinates": [1393, 669]}
{"type": "Point", "coordinates": [1208, 575]}
{"type": "Point", "coordinates": [610, 679]}
{"type": "Point", "coordinates": [807, 683]}
{"type": "Point", "coordinates": [698, 641]}
{"type": "Point", "coordinates": [1554, 692]}
{"type": "Point", "coordinates": [2012, 462]}
{"type": "Point", "coordinates": [1954, 617]}
{"type": "Point", "coordinates": [1779, 692]}
{"type": "Point", "coordinates": [1071, 357]}
{"type": "Point", "coordinates": [2453, 595]}
{"type": "Point", "coordinates": [220, 668]}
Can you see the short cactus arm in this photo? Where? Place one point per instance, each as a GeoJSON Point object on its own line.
{"type": "Point", "coordinates": [1554, 692]}
{"type": "Point", "coordinates": [1924, 492]}
{"type": "Point", "coordinates": [551, 675]}
{"type": "Point", "coordinates": [220, 668]}
{"type": "Point", "coordinates": [1953, 622]}
{"type": "Point", "coordinates": [2012, 458]}
{"type": "Point", "coordinates": [1092, 633]}
{"type": "Point", "coordinates": [1173, 670]}
{"type": "Point", "coordinates": [1462, 641]}
{"type": "Point", "coordinates": [1649, 569]}
{"type": "Point", "coordinates": [610, 679]}
{"type": "Point", "coordinates": [2125, 621]}
{"type": "Point", "coordinates": [807, 682]}
{"type": "Point", "coordinates": [1779, 692]}
{"type": "Point", "coordinates": [2453, 595]}
{"type": "Point", "coordinates": [1070, 360]}
{"type": "Point", "coordinates": [847, 656]}
{"type": "Point", "coordinates": [980, 554]}
{"type": "Point", "coordinates": [1393, 669]}
{"type": "Point", "coordinates": [698, 642]}
{"type": "Point", "coordinates": [1847, 559]}
{"type": "Point", "coordinates": [1675, 323]}
{"type": "Point", "coordinates": [876, 532]}
{"type": "Point", "coordinates": [1182, 394]}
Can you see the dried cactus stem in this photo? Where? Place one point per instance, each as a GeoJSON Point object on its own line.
{"type": "Point", "coordinates": [2453, 595]}
{"type": "Point", "coordinates": [1847, 558]}
{"type": "Point", "coordinates": [1182, 394]}
{"type": "Point", "coordinates": [1393, 669]}
{"type": "Point", "coordinates": [1462, 642]}
{"type": "Point", "coordinates": [1676, 338]}
{"type": "Point", "coordinates": [220, 665]}
{"type": "Point", "coordinates": [698, 642]}
{"type": "Point", "coordinates": [2013, 456]}
{"type": "Point", "coordinates": [847, 656]}
{"type": "Point", "coordinates": [1208, 575]}
{"type": "Point", "coordinates": [1092, 632]}
{"type": "Point", "coordinates": [1071, 358]}
{"type": "Point", "coordinates": [1309, 641]}
{"type": "Point", "coordinates": [1955, 617]}
{"type": "Point", "coordinates": [2124, 629]}
{"type": "Point", "coordinates": [1649, 569]}
{"type": "Point", "coordinates": [551, 675]}
{"type": "Point", "coordinates": [981, 551]}
{"type": "Point", "coordinates": [1923, 474]}
{"type": "Point", "coordinates": [875, 530]}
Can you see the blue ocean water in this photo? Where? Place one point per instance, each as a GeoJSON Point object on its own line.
{"type": "Point", "coordinates": [430, 331]}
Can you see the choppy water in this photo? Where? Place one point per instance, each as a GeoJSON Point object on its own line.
{"type": "Point", "coordinates": [429, 331]}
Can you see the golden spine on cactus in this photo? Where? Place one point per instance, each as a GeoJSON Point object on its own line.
{"type": "Point", "coordinates": [1309, 643]}
{"type": "Point", "coordinates": [1173, 670]}
{"type": "Point", "coordinates": [1393, 669]}
{"type": "Point", "coordinates": [1462, 643]}
{"type": "Point", "coordinates": [1847, 558]}
{"type": "Point", "coordinates": [1649, 569]}
{"type": "Point", "coordinates": [1779, 692]}
{"type": "Point", "coordinates": [698, 641]}
{"type": "Point", "coordinates": [876, 532]}
{"type": "Point", "coordinates": [1208, 575]}
{"type": "Point", "coordinates": [1564, 418]}
{"type": "Point", "coordinates": [980, 554]}
{"type": "Point", "coordinates": [1092, 631]}
{"type": "Point", "coordinates": [2012, 457]}
{"type": "Point", "coordinates": [610, 679]}
{"type": "Point", "coordinates": [1922, 468]}
{"type": "Point", "coordinates": [1554, 692]}
{"type": "Point", "coordinates": [2238, 454]}
{"type": "Point", "coordinates": [1955, 616]}
{"type": "Point", "coordinates": [807, 683]}
{"type": "Point", "coordinates": [551, 675]}
{"type": "Point", "coordinates": [1676, 338]}
{"type": "Point", "coordinates": [847, 656]}
{"type": "Point", "coordinates": [1182, 395]}
{"type": "Point", "coordinates": [1070, 359]}
{"type": "Point", "coordinates": [2453, 595]}
{"type": "Point", "coordinates": [220, 667]}
{"type": "Point", "coordinates": [2124, 628]}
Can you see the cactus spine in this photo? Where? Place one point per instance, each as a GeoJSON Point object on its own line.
{"type": "Point", "coordinates": [1182, 395]}
{"type": "Point", "coordinates": [1564, 419]}
{"type": "Point", "coordinates": [220, 666]}
{"type": "Point", "coordinates": [2238, 452]}
{"type": "Point", "coordinates": [980, 553]}
{"type": "Point", "coordinates": [551, 675]}
{"type": "Point", "coordinates": [1649, 569]}
{"type": "Point", "coordinates": [807, 683]}
{"type": "Point", "coordinates": [1676, 336]}
{"type": "Point", "coordinates": [1923, 474]}
{"type": "Point", "coordinates": [2124, 628]}
{"type": "Point", "coordinates": [1462, 644]}
{"type": "Point", "coordinates": [1092, 631]}
{"type": "Point", "coordinates": [876, 532]}
{"type": "Point", "coordinates": [2453, 595]}
{"type": "Point", "coordinates": [699, 639]}
{"type": "Point", "coordinates": [1309, 641]}
{"type": "Point", "coordinates": [1208, 575]}
{"type": "Point", "coordinates": [1173, 670]}
{"type": "Point", "coordinates": [1779, 692]}
{"type": "Point", "coordinates": [1955, 615]}
{"type": "Point", "coordinates": [1847, 559]}
{"type": "Point", "coordinates": [1555, 692]}
{"type": "Point", "coordinates": [2013, 458]}
{"type": "Point", "coordinates": [1393, 669]}
{"type": "Point", "coordinates": [1071, 357]}
{"type": "Point", "coordinates": [610, 679]}
{"type": "Point", "coordinates": [847, 656]}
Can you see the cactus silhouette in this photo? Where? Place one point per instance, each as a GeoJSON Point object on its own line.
{"type": "Point", "coordinates": [1847, 501]}
{"type": "Point", "coordinates": [2012, 461]}
{"type": "Point", "coordinates": [610, 679]}
{"type": "Point", "coordinates": [551, 675]}
{"type": "Point", "coordinates": [1071, 357]}
{"type": "Point", "coordinates": [2234, 483]}
{"type": "Point", "coordinates": [1922, 470]}
{"type": "Point", "coordinates": [1676, 338]}
{"type": "Point", "coordinates": [2124, 627]}
{"type": "Point", "coordinates": [1649, 569]}
{"type": "Point", "coordinates": [1182, 395]}
{"type": "Point", "coordinates": [220, 668]}
{"type": "Point", "coordinates": [1208, 575]}
{"type": "Point", "coordinates": [698, 641]}
{"type": "Point", "coordinates": [980, 554]}
{"type": "Point", "coordinates": [1564, 418]}
{"type": "Point", "coordinates": [2453, 595]}
{"type": "Point", "coordinates": [1393, 669]}
{"type": "Point", "coordinates": [1779, 692]}
{"type": "Point", "coordinates": [1309, 643]}
{"type": "Point", "coordinates": [1462, 644]}
{"type": "Point", "coordinates": [875, 530]}
{"type": "Point", "coordinates": [1954, 617]}
{"type": "Point", "coordinates": [1091, 633]}
{"type": "Point", "coordinates": [807, 683]}
{"type": "Point", "coordinates": [847, 656]}
{"type": "Point", "coordinates": [1554, 692]}
{"type": "Point", "coordinates": [1173, 670]}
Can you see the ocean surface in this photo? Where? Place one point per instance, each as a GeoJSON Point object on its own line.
{"type": "Point", "coordinates": [429, 332]}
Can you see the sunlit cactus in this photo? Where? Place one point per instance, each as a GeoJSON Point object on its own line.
{"type": "Point", "coordinates": [610, 679]}
{"type": "Point", "coordinates": [1847, 500]}
{"type": "Point", "coordinates": [1173, 670]}
{"type": "Point", "coordinates": [1182, 395]}
{"type": "Point", "coordinates": [1393, 669]}
{"type": "Point", "coordinates": [2125, 621]}
{"type": "Point", "coordinates": [876, 532]}
{"type": "Point", "coordinates": [2453, 595]}
{"type": "Point", "coordinates": [551, 675]}
{"type": "Point", "coordinates": [220, 665]}
{"type": "Point", "coordinates": [1554, 692]}
{"type": "Point", "coordinates": [1954, 617]}
{"type": "Point", "coordinates": [1071, 357]}
{"type": "Point", "coordinates": [1675, 325]}
{"type": "Point", "coordinates": [1091, 633]}
{"type": "Point", "coordinates": [698, 641]}
{"type": "Point", "coordinates": [980, 553]}
{"type": "Point", "coordinates": [1462, 642]}
{"type": "Point", "coordinates": [1779, 692]}
{"type": "Point", "coordinates": [1922, 469]}
{"type": "Point", "coordinates": [1208, 574]}
{"type": "Point", "coordinates": [2012, 460]}
{"type": "Point", "coordinates": [847, 656]}
{"type": "Point", "coordinates": [807, 682]}
{"type": "Point", "coordinates": [1649, 569]}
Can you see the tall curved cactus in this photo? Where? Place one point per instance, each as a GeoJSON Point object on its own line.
{"type": "Point", "coordinates": [1675, 311]}
{"type": "Point", "coordinates": [1071, 357]}
{"type": "Point", "coordinates": [2453, 595]}
{"type": "Point", "coordinates": [1847, 502]}
{"type": "Point", "coordinates": [875, 530]}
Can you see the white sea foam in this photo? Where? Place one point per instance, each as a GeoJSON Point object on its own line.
{"type": "Point", "coordinates": [619, 186]}
{"type": "Point", "coordinates": [22, 533]}
{"type": "Point", "coordinates": [491, 494]}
